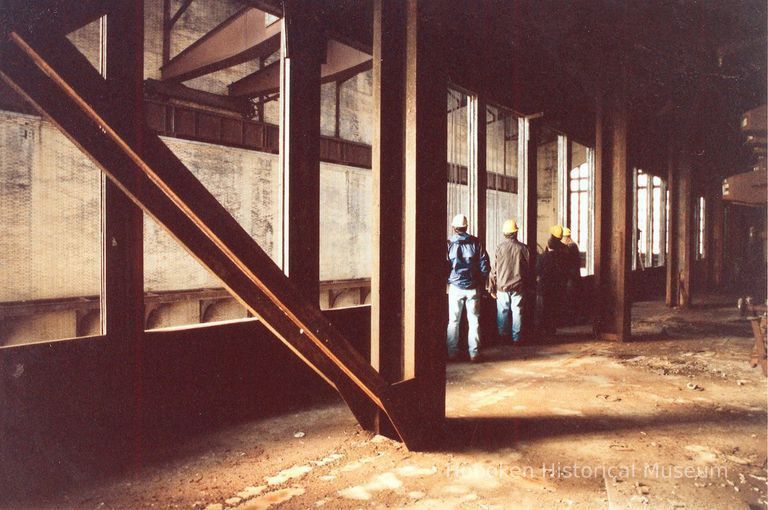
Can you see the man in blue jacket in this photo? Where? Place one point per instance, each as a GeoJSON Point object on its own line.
{"type": "Point", "coordinates": [469, 269]}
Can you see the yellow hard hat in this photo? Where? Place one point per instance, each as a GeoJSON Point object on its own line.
{"type": "Point", "coordinates": [510, 227]}
{"type": "Point", "coordinates": [556, 231]}
{"type": "Point", "coordinates": [459, 221]}
{"type": "Point", "coordinates": [566, 232]}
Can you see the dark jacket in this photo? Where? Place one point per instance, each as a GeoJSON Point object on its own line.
{"type": "Point", "coordinates": [572, 261]}
{"type": "Point", "coordinates": [510, 271]}
{"type": "Point", "coordinates": [469, 261]}
{"type": "Point", "coordinates": [550, 266]}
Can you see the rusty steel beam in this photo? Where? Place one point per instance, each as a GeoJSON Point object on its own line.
{"type": "Point", "coordinates": [748, 188]}
{"type": "Point", "coordinates": [264, 81]}
{"type": "Point", "coordinates": [424, 185]}
{"type": "Point", "coordinates": [182, 9]}
{"type": "Point", "coordinates": [387, 185]}
{"type": "Point", "coordinates": [62, 85]}
{"type": "Point", "coordinates": [240, 38]}
{"type": "Point", "coordinates": [341, 63]}
{"type": "Point", "coordinates": [613, 225]}
{"type": "Point", "coordinates": [299, 142]}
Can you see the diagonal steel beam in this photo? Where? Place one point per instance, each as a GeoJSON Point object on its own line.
{"type": "Point", "coordinates": [341, 62]}
{"type": "Point", "coordinates": [240, 38]}
{"type": "Point", "coordinates": [60, 82]}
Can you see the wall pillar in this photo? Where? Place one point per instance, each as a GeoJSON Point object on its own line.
{"type": "Point", "coordinates": [530, 224]}
{"type": "Point", "coordinates": [477, 173]}
{"type": "Point", "coordinates": [717, 238]}
{"type": "Point", "coordinates": [684, 238]}
{"type": "Point", "coordinates": [123, 244]}
{"type": "Point", "coordinates": [425, 213]}
{"type": "Point", "coordinates": [388, 183]}
{"type": "Point", "coordinates": [302, 47]}
{"type": "Point", "coordinates": [613, 213]}
{"type": "Point", "coordinates": [673, 255]}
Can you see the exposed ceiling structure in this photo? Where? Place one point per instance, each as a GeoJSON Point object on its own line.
{"type": "Point", "coordinates": [692, 66]}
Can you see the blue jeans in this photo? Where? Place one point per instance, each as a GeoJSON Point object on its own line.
{"type": "Point", "coordinates": [457, 298]}
{"type": "Point", "coordinates": [508, 306]}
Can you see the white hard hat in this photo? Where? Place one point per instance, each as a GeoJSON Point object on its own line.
{"type": "Point", "coordinates": [459, 221]}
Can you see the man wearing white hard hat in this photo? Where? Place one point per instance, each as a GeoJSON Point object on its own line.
{"type": "Point", "coordinates": [469, 270]}
{"type": "Point", "coordinates": [509, 277]}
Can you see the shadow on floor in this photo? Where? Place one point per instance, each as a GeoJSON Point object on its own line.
{"type": "Point", "coordinates": [490, 434]}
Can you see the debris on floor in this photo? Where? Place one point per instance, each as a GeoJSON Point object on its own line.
{"type": "Point", "coordinates": [674, 420]}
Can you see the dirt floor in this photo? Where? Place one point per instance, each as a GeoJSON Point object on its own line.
{"type": "Point", "coordinates": [674, 419]}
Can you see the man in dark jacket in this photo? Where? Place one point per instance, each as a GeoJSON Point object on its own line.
{"type": "Point", "coordinates": [572, 261]}
{"type": "Point", "coordinates": [509, 277]}
{"type": "Point", "coordinates": [551, 272]}
{"type": "Point", "coordinates": [469, 269]}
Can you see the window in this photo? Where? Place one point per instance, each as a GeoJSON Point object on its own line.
{"type": "Point", "coordinates": [548, 161]}
{"type": "Point", "coordinates": [580, 200]}
{"type": "Point", "coordinates": [504, 153]}
{"type": "Point", "coordinates": [178, 290]}
{"type": "Point", "coordinates": [51, 223]}
{"type": "Point", "coordinates": [458, 156]}
{"type": "Point", "coordinates": [657, 234]}
{"type": "Point", "coordinates": [700, 218]}
{"type": "Point", "coordinates": [270, 19]}
{"type": "Point", "coordinates": [650, 213]}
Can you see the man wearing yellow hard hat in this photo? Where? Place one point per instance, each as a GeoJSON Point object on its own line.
{"type": "Point", "coordinates": [572, 263]}
{"type": "Point", "coordinates": [509, 278]}
{"type": "Point", "coordinates": [549, 268]}
{"type": "Point", "coordinates": [469, 269]}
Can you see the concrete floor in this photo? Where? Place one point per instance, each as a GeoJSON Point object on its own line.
{"type": "Point", "coordinates": [674, 419]}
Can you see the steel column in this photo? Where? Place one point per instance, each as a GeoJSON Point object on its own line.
{"type": "Point", "coordinates": [613, 186]}
{"type": "Point", "coordinates": [425, 213]}
{"type": "Point", "coordinates": [387, 176]}
{"type": "Point", "coordinates": [301, 51]}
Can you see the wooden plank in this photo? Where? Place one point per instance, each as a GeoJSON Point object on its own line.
{"type": "Point", "coordinates": [387, 183]}
{"type": "Point", "coordinates": [63, 85]}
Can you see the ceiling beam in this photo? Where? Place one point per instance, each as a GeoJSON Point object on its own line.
{"type": "Point", "coordinates": [341, 63]}
{"type": "Point", "coordinates": [242, 37]}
